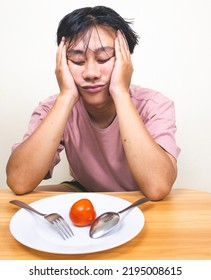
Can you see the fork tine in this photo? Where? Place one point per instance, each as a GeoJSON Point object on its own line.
{"type": "Point", "coordinates": [61, 229]}
{"type": "Point", "coordinates": [66, 226]}
{"type": "Point", "coordinates": [60, 225]}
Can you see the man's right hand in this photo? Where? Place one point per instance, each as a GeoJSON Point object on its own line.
{"type": "Point", "coordinates": [64, 78]}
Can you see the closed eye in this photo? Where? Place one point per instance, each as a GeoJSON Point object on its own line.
{"type": "Point", "coordinates": [101, 61]}
{"type": "Point", "coordinates": [77, 62]}
{"type": "Point", "coordinates": [80, 63]}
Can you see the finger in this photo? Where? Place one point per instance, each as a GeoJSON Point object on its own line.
{"type": "Point", "coordinates": [118, 52]}
{"type": "Point", "coordinates": [123, 44]}
{"type": "Point", "coordinates": [59, 51]}
{"type": "Point", "coordinates": [124, 39]}
{"type": "Point", "coordinates": [116, 47]}
{"type": "Point", "coordinates": [63, 57]}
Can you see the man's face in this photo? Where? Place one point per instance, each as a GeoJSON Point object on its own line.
{"type": "Point", "coordinates": [91, 60]}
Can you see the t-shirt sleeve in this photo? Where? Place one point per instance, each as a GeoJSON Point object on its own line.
{"type": "Point", "coordinates": [159, 118]}
{"type": "Point", "coordinates": [36, 118]}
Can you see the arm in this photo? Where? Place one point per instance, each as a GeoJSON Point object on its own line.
{"type": "Point", "coordinates": [152, 167]}
{"type": "Point", "coordinates": [31, 160]}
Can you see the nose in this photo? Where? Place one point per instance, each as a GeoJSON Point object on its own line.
{"type": "Point", "coordinates": [91, 70]}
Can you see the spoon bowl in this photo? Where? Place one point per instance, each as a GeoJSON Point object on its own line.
{"type": "Point", "coordinates": [108, 220]}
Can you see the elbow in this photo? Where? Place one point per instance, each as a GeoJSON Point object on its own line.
{"type": "Point", "coordinates": [18, 186]}
{"type": "Point", "coordinates": [158, 188]}
{"type": "Point", "coordinates": [13, 179]}
{"type": "Point", "coordinates": [15, 187]}
{"type": "Point", "coordinates": [19, 182]}
{"type": "Point", "coordinates": [157, 191]}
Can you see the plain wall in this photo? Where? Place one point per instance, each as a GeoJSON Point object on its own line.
{"type": "Point", "coordinates": [173, 57]}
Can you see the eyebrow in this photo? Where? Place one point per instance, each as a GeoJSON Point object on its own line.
{"type": "Point", "coordinates": [98, 50]}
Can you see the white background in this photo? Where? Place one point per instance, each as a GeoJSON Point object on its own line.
{"type": "Point", "coordinates": [173, 57]}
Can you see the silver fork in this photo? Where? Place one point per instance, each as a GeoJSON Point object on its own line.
{"type": "Point", "coordinates": [57, 220]}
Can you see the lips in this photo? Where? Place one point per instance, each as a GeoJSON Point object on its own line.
{"type": "Point", "coordinates": [94, 88]}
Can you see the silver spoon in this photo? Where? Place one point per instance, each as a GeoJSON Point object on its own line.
{"type": "Point", "coordinates": [108, 220]}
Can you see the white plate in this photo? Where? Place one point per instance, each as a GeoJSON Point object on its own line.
{"type": "Point", "coordinates": [35, 232]}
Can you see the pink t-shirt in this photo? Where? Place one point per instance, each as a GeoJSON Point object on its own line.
{"type": "Point", "coordinates": [96, 156]}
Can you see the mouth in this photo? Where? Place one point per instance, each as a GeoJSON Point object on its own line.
{"type": "Point", "coordinates": [93, 88]}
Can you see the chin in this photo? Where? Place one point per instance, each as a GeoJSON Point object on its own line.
{"type": "Point", "coordinates": [96, 99]}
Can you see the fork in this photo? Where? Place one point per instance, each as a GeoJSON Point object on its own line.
{"type": "Point", "coordinates": [57, 220]}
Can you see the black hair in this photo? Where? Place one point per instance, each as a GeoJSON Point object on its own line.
{"type": "Point", "coordinates": [80, 20]}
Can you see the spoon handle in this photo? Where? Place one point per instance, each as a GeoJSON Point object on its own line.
{"type": "Point", "coordinates": [136, 203]}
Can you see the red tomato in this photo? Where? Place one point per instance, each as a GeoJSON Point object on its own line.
{"type": "Point", "coordinates": [82, 213]}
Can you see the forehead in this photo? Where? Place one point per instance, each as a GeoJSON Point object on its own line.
{"type": "Point", "coordinates": [95, 38]}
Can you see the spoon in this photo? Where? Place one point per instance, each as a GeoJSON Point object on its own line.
{"type": "Point", "coordinates": [108, 220]}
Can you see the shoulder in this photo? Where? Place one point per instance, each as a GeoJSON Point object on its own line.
{"type": "Point", "coordinates": [142, 94]}
{"type": "Point", "coordinates": [48, 103]}
{"type": "Point", "coordinates": [150, 103]}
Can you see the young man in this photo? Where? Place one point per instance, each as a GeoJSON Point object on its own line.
{"type": "Point", "coordinates": [117, 136]}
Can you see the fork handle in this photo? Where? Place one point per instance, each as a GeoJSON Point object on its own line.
{"type": "Point", "coordinates": [26, 206]}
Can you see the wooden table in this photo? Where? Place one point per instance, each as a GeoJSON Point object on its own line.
{"type": "Point", "coordinates": [176, 228]}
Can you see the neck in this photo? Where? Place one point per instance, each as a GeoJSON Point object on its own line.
{"type": "Point", "coordinates": [101, 116]}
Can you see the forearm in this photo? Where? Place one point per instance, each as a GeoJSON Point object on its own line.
{"type": "Point", "coordinates": [30, 162]}
{"type": "Point", "coordinates": [153, 169]}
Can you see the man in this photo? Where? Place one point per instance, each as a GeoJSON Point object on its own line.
{"type": "Point", "coordinates": [117, 136]}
